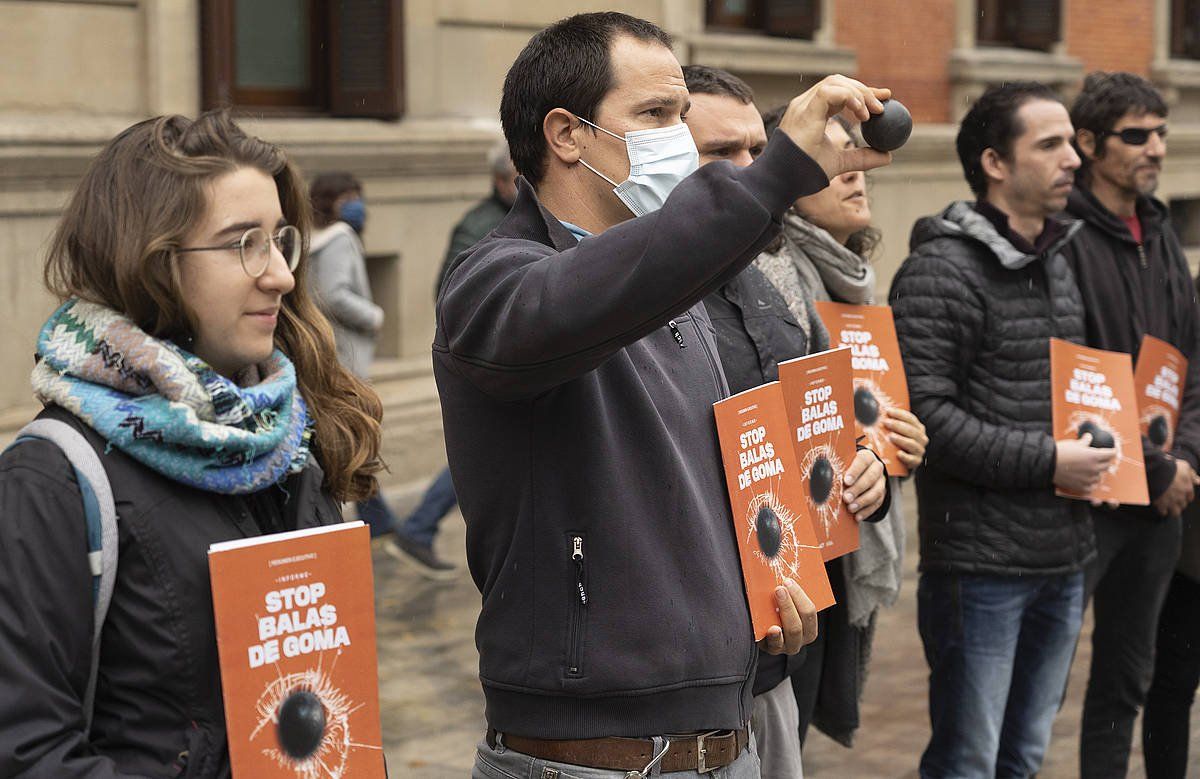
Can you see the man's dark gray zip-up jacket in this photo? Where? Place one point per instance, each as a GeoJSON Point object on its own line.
{"type": "Point", "coordinates": [577, 380]}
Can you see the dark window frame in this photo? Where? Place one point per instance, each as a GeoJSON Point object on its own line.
{"type": "Point", "coordinates": [794, 19]}
{"type": "Point", "coordinates": [1011, 24]}
{"type": "Point", "coordinates": [1185, 38]}
{"type": "Point", "coordinates": [331, 48]}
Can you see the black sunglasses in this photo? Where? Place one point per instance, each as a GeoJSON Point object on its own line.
{"type": "Point", "coordinates": [1137, 136]}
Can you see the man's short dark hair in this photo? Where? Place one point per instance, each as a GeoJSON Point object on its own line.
{"type": "Point", "coordinates": [992, 124]}
{"type": "Point", "coordinates": [1105, 98]}
{"type": "Point", "coordinates": [567, 65]}
{"type": "Point", "coordinates": [703, 80]}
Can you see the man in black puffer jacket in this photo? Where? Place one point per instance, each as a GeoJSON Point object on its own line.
{"type": "Point", "coordinates": [1000, 598]}
{"type": "Point", "coordinates": [1135, 282]}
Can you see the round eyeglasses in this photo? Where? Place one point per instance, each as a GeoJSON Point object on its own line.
{"type": "Point", "coordinates": [254, 249]}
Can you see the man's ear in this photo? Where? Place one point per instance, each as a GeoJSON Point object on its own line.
{"type": "Point", "coordinates": [1086, 141]}
{"type": "Point", "coordinates": [558, 128]}
{"type": "Point", "coordinates": [993, 165]}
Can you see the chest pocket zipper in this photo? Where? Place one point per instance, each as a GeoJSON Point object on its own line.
{"type": "Point", "coordinates": [579, 601]}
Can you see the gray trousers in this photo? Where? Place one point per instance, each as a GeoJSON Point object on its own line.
{"type": "Point", "coordinates": [775, 731]}
{"type": "Point", "coordinates": [502, 763]}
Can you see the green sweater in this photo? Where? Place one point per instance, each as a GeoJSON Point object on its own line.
{"type": "Point", "coordinates": [475, 224]}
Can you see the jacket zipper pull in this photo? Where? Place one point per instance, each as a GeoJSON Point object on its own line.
{"type": "Point", "coordinates": [677, 335]}
{"type": "Point", "coordinates": [1142, 255]}
{"type": "Point", "coordinates": [577, 556]}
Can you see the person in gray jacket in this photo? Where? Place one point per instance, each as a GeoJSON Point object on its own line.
{"type": "Point", "coordinates": [340, 269]}
{"type": "Point", "coordinates": [577, 371]}
{"type": "Point", "coordinates": [340, 284]}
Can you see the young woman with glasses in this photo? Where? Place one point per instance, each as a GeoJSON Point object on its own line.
{"type": "Point", "coordinates": [189, 354]}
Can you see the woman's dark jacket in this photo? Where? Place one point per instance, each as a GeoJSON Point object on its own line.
{"type": "Point", "coordinates": [158, 710]}
{"type": "Point", "coordinates": [974, 316]}
{"type": "Point", "coordinates": [755, 331]}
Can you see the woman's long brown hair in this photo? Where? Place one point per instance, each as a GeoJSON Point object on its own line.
{"type": "Point", "coordinates": [115, 246]}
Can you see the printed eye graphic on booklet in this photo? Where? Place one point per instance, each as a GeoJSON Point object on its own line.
{"type": "Point", "coordinates": [879, 381]}
{"type": "Point", "coordinates": [1094, 394]}
{"type": "Point", "coordinates": [1159, 380]}
{"type": "Point", "coordinates": [295, 622]}
{"type": "Point", "coordinates": [769, 498]}
{"type": "Point", "coordinates": [819, 398]}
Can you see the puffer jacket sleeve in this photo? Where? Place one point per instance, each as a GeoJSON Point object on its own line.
{"type": "Point", "coordinates": [45, 620]}
{"type": "Point", "coordinates": [940, 314]}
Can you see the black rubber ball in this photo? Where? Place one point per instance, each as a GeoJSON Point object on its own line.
{"type": "Point", "coordinates": [770, 535]}
{"type": "Point", "coordinates": [1101, 438]}
{"type": "Point", "coordinates": [889, 130]}
{"type": "Point", "coordinates": [301, 724]}
{"type": "Point", "coordinates": [820, 480]}
{"type": "Point", "coordinates": [1158, 430]}
{"type": "Point", "coordinates": [866, 407]}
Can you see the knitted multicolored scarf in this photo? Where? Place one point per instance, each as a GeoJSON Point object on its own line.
{"type": "Point", "coordinates": [166, 407]}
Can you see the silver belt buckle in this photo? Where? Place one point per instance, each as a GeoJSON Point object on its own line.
{"type": "Point", "coordinates": [702, 752]}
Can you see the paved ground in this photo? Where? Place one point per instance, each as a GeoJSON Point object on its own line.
{"type": "Point", "coordinates": [433, 707]}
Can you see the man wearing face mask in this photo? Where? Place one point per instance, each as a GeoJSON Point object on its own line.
{"type": "Point", "coordinates": [577, 370]}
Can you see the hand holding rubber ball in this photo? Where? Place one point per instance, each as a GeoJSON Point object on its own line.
{"type": "Point", "coordinates": [1101, 438]}
{"type": "Point", "coordinates": [889, 130]}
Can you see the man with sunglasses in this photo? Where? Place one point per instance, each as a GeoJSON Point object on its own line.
{"type": "Point", "coordinates": [1135, 282]}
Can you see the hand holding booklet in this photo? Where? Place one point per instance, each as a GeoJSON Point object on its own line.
{"type": "Point", "coordinates": [770, 516]}
{"type": "Point", "coordinates": [295, 620]}
{"type": "Point", "coordinates": [1094, 395]}
{"type": "Point", "coordinates": [818, 396]}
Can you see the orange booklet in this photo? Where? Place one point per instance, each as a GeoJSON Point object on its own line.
{"type": "Point", "coordinates": [879, 380]}
{"type": "Point", "coordinates": [295, 620]}
{"type": "Point", "coordinates": [819, 397]}
{"type": "Point", "coordinates": [1159, 380]}
{"type": "Point", "coordinates": [1093, 393]}
{"type": "Point", "coordinates": [774, 533]}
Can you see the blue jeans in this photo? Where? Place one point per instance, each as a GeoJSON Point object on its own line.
{"type": "Point", "coordinates": [375, 512]}
{"type": "Point", "coordinates": [439, 498]}
{"type": "Point", "coordinates": [999, 649]}
{"type": "Point", "coordinates": [501, 763]}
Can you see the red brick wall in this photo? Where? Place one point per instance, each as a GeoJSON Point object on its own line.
{"type": "Point", "coordinates": [904, 45]}
{"type": "Point", "coordinates": [1111, 34]}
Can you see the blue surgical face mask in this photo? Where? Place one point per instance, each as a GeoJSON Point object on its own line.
{"type": "Point", "coordinates": [354, 213]}
{"type": "Point", "coordinates": [658, 160]}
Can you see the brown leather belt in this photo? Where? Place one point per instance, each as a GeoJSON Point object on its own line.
{"type": "Point", "coordinates": [702, 752]}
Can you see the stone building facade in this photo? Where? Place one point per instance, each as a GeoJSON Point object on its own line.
{"type": "Point", "coordinates": [404, 94]}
